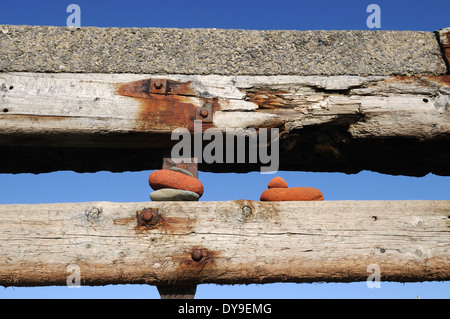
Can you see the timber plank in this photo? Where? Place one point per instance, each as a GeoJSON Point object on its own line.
{"type": "Point", "coordinates": [331, 241]}
{"type": "Point", "coordinates": [51, 122]}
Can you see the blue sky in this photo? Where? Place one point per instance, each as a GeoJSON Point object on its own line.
{"type": "Point", "coordinates": [133, 186]}
{"type": "Point", "coordinates": [427, 15]}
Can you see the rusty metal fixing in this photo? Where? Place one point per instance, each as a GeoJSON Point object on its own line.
{"type": "Point", "coordinates": [204, 113]}
{"type": "Point", "coordinates": [158, 86]}
{"type": "Point", "coordinates": [196, 254]}
{"type": "Point", "coordinates": [167, 104]}
{"type": "Point", "coordinates": [148, 217]}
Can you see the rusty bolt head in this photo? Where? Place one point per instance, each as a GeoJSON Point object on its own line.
{"type": "Point", "coordinates": [204, 113]}
{"type": "Point", "coordinates": [148, 217]}
{"type": "Point", "coordinates": [158, 84]}
{"type": "Point", "coordinates": [196, 254]}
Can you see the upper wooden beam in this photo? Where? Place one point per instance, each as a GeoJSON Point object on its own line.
{"type": "Point", "coordinates": [85, 99]}
{"type": "Point", "coordinates": [230, 242]}
{"type": "Point", "coordinates": [119, 122]}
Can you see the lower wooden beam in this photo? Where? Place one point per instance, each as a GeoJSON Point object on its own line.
{"type": "Point", "coordinates": [232, 242]}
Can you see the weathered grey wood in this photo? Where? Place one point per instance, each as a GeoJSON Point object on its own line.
{"type": "Point", "coordinates": [326, 123]}
{"type": "Point", "coordinates": [90, 103]}
{"type": "Point", "coordinates": [241, 242]}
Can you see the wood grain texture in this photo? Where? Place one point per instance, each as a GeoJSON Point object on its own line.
{"type": "Point", "coordinates": [326, 123]}
{"type": "Point", "coordinates": [241, 242]}
{"type": "Point", "coordinates": [90, 103]}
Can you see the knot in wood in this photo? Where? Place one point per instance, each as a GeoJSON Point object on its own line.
{"type": "Point", "coordinates": [93, 214]}
{"type": "Point", "coordinates": [246, 211]}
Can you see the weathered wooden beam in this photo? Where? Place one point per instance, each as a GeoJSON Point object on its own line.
{"type": "Point", "coordinates": [230, 242]}
{"type": "Point", "coordinates": [397, 125]}
{"type": "Point", "coordinates": [73, 99]}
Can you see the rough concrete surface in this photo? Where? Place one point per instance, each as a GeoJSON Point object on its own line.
{"type": "Point", "coordinates": [216, 51]}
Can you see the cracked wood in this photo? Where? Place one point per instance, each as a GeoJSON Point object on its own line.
{"type": "Point", "coordinates": [240, 241]}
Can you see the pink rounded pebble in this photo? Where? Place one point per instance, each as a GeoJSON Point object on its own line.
{"type": "Point", "coordinates": [292, 194]}
{"type": "Point", "coordinates": [165, 178]}
{"type": "Point", "coordinates": [277, 182]}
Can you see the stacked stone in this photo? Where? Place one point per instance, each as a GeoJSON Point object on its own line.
{"type": "Point", "coordinates": [279, 191]}
{"type": "Point", "coordinates": [174, 184]}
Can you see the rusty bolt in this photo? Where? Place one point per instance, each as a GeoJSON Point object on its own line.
{"type": "Point", "coordinates": [148, 217]}
{"type": "Point", "coordinates": [196, 254]}
{"type": "Point", "coordinates": [203, 113]}
{"type": "Point", "coordinates": [158, 84]}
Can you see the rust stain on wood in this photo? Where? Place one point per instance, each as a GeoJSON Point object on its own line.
{"type": "Point", "coordinates": [164, 224]}
{"type": "Point", "coordinates": [424, 80]}
{"type": "Point", "coordinates": [446, 49]}
{"type": "Point", "coordinates": [447, 53]}
{"type": "Point", "coordinates": [190, 272]}
{"type": "Point", "coordinates": [164, 112]}
{"type": "Point", "coordinates": [142, 88]}
{"type": "Point", "coordinates": [402, 78]}
{"type": "Point", "coordinates": [168, 106]}
{"type": "Point", "coordinates": [441, 79]}
{"type": "Point", "coordinates": [187, 264]}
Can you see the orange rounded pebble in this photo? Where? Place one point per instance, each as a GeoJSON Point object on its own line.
{"type": "Point", "coordinates": [277, 182]}
{"type": "Point", "coordinates": [165, 178]}
{"type": "Point", "coordinates": [291, 194]}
